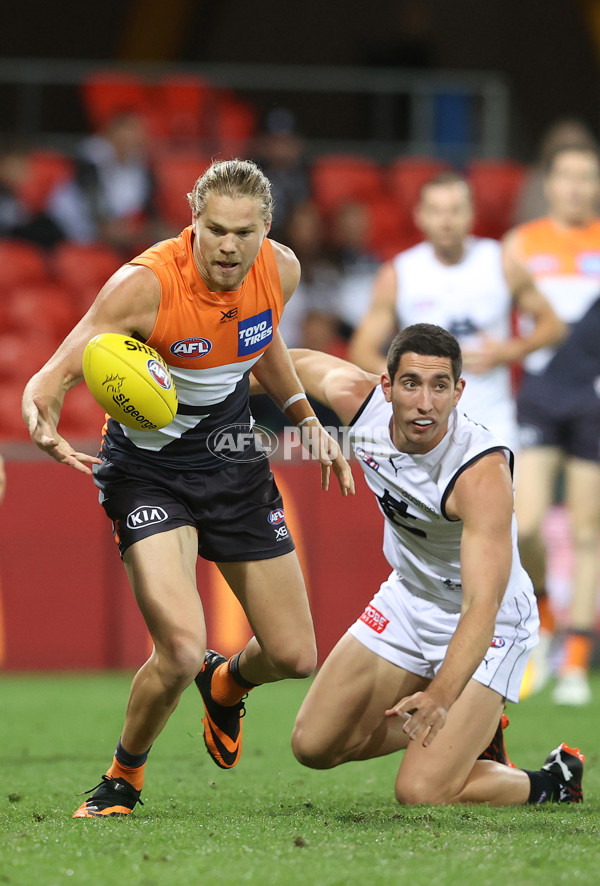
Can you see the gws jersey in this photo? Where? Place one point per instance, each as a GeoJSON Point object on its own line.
{"type": "Point", "coordinates": [420, 542]}
{"type": "Point", "coordinates": [210, 342]}
{"type": "Point", "coordinates": [565, 263]}
{"type": "Point", "coordinates": [470, 299]}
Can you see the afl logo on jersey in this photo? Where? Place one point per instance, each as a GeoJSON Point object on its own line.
{"type": "Point", "coordinates": [588, 264]}
{"type": "Point", "coordinates": [159, 374]}
{"type": "Point", "coordinates": [191, 348]}
{"type": "Point", "coordinates": [497, 643]}
{"type": "Point", "coordinates": [276, 517]}
{"type": "Point", "coordinates": [543, 264]}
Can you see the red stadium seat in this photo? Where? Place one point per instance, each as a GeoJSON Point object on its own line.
{"type": "Point", "coordinates": [390, 228]}
{"type": "Point", "coordinates": [21, 263]}
{"type": "Point", "coordinates": [84, 269]}
{"type": "Point", "coordinates": [407, 175]}
{"type": "Point", "coordinates": [47, 169]}
{"type": "Point", "coordinates": [183, 109]}
{"type": "Point", "coordinates": [23, 353]}
{"type": "Point", "coordinates": [176, 174]}
{"type": "Point", "coordinates": [235, 125]}
{"type": "Point", "coordinates": [341, 178]}
{"type": "Point", "coordinates": [42, 307]}
{"type": "Point", "coordinates": [106, 93]}
{"type": "Point", "coordinates": [495, 185]}
{"type": "Point", "coordinates": [12, 426]}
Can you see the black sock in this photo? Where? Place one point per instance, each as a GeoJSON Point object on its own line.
{"type": "Point", "coordinates": [544, 787]}
{"type": "Point", "coordinates": [234, 670]}
{"type": "Point", "coordinates": [132, 761]}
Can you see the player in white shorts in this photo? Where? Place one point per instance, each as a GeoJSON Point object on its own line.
{"type": "Point", "coordinates": [437, 652]}
{"type": "Point", "coordinates": [465, 284]}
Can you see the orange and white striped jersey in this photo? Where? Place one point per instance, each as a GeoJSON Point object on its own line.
{"type": "Point", "coordinates": [565, 263]}
{"type": "Point", "coordinates": [210, 342]}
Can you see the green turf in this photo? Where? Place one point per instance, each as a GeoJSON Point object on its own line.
{"type": "Point", "coordinates": [269, 821]}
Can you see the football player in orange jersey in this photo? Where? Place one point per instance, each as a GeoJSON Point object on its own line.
{"type": "Point", "coordinates": [560, 421]}
{"type": "Point", "coordinates": [209, 302]}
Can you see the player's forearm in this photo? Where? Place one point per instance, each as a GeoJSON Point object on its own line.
{"type": "Point", "coordinates": [465, 653]}
{"type": "Point", "coordinates": [366, 354]}
{"type": "Point", "coordinates": [49, 388]}
{"type": "Point", "coordinates": [276, 374]}
{"type": "Point", "coordinates": [548, 331]}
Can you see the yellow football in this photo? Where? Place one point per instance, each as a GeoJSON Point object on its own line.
{"type": "Point", "coordinates": [130, 381]}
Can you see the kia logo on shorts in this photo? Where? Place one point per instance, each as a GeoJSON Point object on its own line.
{"type": "Point", "coordinates": [159, 374]}
{"type": "Point", "coordinates": [146, 515]}
{"type": "Point", "coordinates": [242, 442]}
{"type": "Point", "coordinates": [276, 517]}
{"type": "Point", "coordinates": [191, 348]}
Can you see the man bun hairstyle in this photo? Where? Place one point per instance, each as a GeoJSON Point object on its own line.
{"type": "Point", "coordinates": [426, 340]}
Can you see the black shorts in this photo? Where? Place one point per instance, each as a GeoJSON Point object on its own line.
{"type": "Point", "coordinates": [568, 418]}
{"type": "Point", "coordinates": [237, 511]}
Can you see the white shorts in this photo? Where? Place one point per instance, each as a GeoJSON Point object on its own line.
{"type": "Point", "coordinates": [414, 634]}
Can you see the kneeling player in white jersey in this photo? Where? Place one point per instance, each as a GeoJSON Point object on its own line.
{"type": "Point", "coordinates": [443, 644]}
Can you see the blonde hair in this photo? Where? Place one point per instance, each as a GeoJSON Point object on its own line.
{"type": "Point", "coordinates": [233, 178]}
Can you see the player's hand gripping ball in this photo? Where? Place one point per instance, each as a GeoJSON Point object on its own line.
{"type": "Point", "coordinates": [130, 381]}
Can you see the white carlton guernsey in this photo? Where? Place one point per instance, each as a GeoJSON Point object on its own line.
{"type": "Point", "coordinates": [471, 300]}
{"type": "Point", "coordinates": [420, 542]}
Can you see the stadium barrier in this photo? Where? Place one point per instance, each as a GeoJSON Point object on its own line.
{"type": "Point", "coordinates": [65, 602]}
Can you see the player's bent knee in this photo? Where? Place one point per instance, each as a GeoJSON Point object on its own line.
{"type": "Point", "coordinates": [296, 663]}
{"type": "Point", "coordinates": [420, 792]}
{"type": "Point", "coordinates": [180, 661]}
{"type": "Point", "coordinates": [308, 752]}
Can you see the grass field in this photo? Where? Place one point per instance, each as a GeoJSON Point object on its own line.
{"type": "Point", "coordinates": [269, 821]}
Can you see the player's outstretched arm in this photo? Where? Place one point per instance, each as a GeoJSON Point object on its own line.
{"type": "Point", "coordinates": [482, 498]}
{"type": "Point", "coordinates": [334, 382]}
{"type": "Point", "coordinates": [275, 374]}
{"type": "Point", "coordinates": [127, 304]}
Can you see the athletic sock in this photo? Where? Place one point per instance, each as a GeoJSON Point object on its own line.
{"type": "Point", "coordinates": [228, 687]}
{"type": "Point", "coordinates": [578, 650]}
{"type": "Point", "coordinates": [545, 610]}
{"type": "Point", "coordinates": [544, 787]}
{"type": "Point", "coordinates": [129, 766]}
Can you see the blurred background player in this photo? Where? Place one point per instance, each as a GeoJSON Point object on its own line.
{"type": "Point", "coordinates": [111, 198]}
{"type": "Point", "coordinates": [466, 285]}
{"type": "Point", "coordinates": [561, 429]}
{"type": "Point", "coordinates": [565, 133]}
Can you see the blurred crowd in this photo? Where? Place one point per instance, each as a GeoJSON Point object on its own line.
{"type": "Point", "coordinates": [68, 221]}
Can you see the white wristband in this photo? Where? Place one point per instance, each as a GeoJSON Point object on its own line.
{"type": "Point", "coordinates": [308, 418]}
{"type": "Point", "coordinates": [293, 399]}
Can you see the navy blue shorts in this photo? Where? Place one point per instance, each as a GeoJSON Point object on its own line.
{"type": "Point", "coordinates": [564, 417]}
{"type": "Point", "coordinates": [237, 511]}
